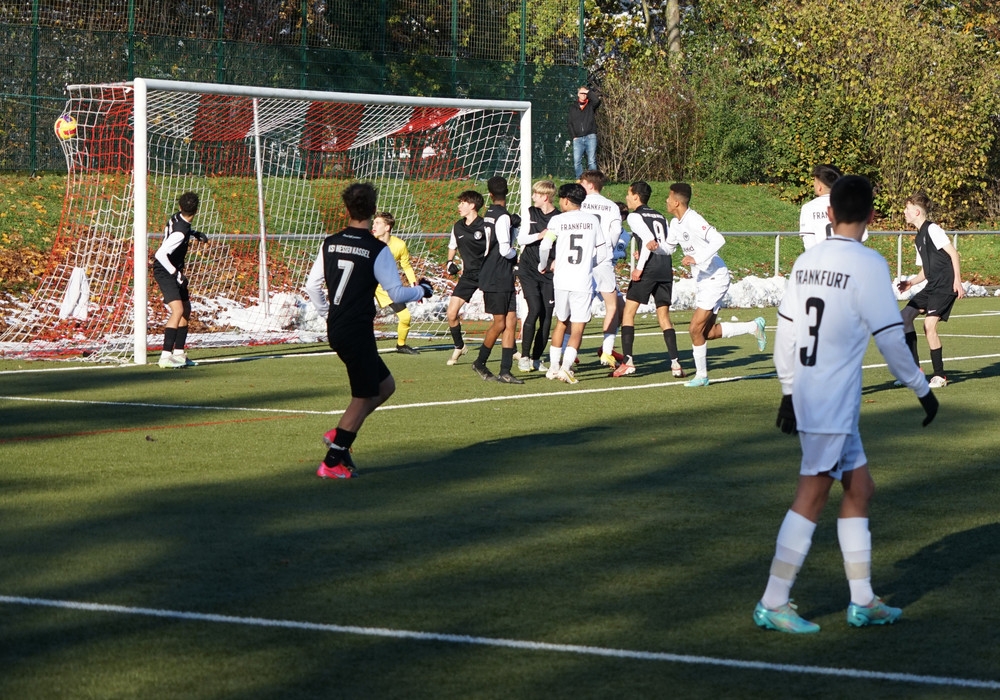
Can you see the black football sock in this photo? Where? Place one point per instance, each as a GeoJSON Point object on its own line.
{"type": "Point", "coordinates": [628, 340]}
{"type": "Point", "coordinates": [182, 336]}
{"type": "Point", "coordinates": [169, 338]}
{"type": "Point", "coordinates": [911, 343]}
{"type": "Point", "coordinates": [484, 354]}
{"type": "Point", "coordinates": [937, 363]}
{"type": "Point", "coordinates": [456, 336]}
{"type": "Point", "coordinates": [670, 338]}
{"type": "Point", "coordinates": [506, 360]}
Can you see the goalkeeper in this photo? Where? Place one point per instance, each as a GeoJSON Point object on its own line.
{"type": "Point", "coordinates": [839, 295]}
{"type": "Point", "coordinates": [168, 271]}
{"type": "Point", "coordinates": [382, 226]}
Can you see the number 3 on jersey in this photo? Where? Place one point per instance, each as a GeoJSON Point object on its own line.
{"type": "Point", "coordinates": [814, 308]}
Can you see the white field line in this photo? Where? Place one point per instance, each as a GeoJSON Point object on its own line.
{"type": "Point", "coordinates": [849, 673]}
{"type": "Point", "coordinates": [567, 393]}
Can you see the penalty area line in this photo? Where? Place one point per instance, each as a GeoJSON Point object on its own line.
{"type": "Point", "coordinates": [460, 639]}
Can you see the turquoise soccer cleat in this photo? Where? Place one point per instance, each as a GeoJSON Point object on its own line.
{"type": "Point", "coordinates": [783, 619]}
{"type": "Point", "coordinates": [875, 613]}
{"type": "Point", "coordinates": [759, 334]}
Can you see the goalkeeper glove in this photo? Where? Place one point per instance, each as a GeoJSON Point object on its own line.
{"type": "Point", "coordinates": [515, 221]}
{"type": "Point", "coordinates": [453, 268]}
{"type": "Point", "coordinates": [426, 285]}
{"type": "Point", "coordinates": [786, 416]}
{"type": "Point", "coordinates": [199, 236]}
{"type": "Point", "coordinates": [181, 279]}
{"type": "Point", "coordinates": [930, 404]}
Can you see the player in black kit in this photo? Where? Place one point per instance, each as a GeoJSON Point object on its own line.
{"type": "Point", "coordinates": [468, 239]}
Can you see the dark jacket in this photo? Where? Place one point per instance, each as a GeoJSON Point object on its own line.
{"type": "Point", "coordinates": [583, 122]}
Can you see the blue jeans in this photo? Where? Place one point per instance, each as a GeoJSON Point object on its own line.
{"type": "Point", "coordinates": [580, 143]}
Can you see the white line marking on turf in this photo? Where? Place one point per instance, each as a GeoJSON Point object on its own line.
{"type": "Point", "coordinates": [509, 643]}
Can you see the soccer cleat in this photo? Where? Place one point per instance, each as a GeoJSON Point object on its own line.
{"type": "Point", "coordinates": [937, 381]}
{"type": "Point", "coordinates": [677, 370]}
{"type": "Point", "coordinates": [406, 350]}
{"type": "Point", "coordinates": [457, 354]}
{"type": "Point", "coordinates": [505, 378]}
{"type": "Point", "coordinates": [338, 472]}
{"type": "Point", "coordinates": [875, 613]}
{"type": "Point", "coordinates": [625, 367]}
{"type": "Point", "coordinates": [482, 370]}
{"type": "Point", "coordinates": [783, 619]}
{"type": "Point", "coordinates": [171, 362]}
{"type": "Point", "coordinates": [566, 375]}
{"type": "Point", "coordinates": [759, 334]}
{"type": "Point", "coordinates": [539, 366]}
{"type": "Point", "coordinates": [524, 364]}
{"type": "Point", "coordinates": [608, 360]}
{"type": "Point", "coordinates": [697, 381]}
{"type": "Point", "coordinates": [188, 362]}
{"type": "Point", "coordinates": [552, 372]}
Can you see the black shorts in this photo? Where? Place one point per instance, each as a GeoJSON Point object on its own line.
{"type": "Point", "coordinates": [359, 353]}
{"type": "Point", "coordinates": [465, 288]}
{"type": "Point", "coordinates": [499, 303]}
{"type": "Point", "coordinates": [933, 303]}
{"type": "Point", "coordinates": [640, 292]}
{"type": "Point", "coordinates": [168, 286]}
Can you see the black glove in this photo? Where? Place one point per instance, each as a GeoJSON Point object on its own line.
{"type": "Point", "coordinates": [515, 221]}
{"type": "Point", "coordinates": [786, 416]}
{"type": "Point", "coordinates": [181, 279]}
{"type": "Point", "coordinates": [930, 404]}
{"type": "Point", "coordinates": [199, 236]}
{"type": "Point", "coordinates": [453, 268]}
{"type": "Point", "coordinates": [428, 289]}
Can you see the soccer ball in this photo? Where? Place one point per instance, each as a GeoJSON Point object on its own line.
{"type": "Point", "coordinates": [66, 127]}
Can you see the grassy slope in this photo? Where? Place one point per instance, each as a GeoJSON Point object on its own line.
{"type": "Point", "coordinates": [30, 209]}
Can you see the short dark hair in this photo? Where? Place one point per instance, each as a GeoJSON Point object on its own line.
{"type": "Point", "coordinates": [852, 199]}
{"type": "Point", "coordinates": [826, 173]}
{"type": "Point", "coordinates": [361, 200]}
{"type": "Point", "coordinates": [682, 190]}
{"type": "Point", "coordinates": [497, 186]}
{"type": "Point", "coordinates": [472, 197]}
{"type": "Point", "coordinates": [595, 178]}
{"type": "Point", "coordinates": [188, 203]}
{"type": "Point", "coordinates": [642, 190]}
{"type": "Point", "coordinates": [921, 200]}
{"type": "Point", "coordinates": [389, 219]}
{"type": "Point", "coordinates": [574, 192]}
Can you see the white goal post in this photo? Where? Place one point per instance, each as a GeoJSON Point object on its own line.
{"type": "Point", "coordinates": [269, 166]}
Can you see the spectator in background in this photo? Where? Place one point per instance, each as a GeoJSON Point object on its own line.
{"type": "Point", "coordinates": [583, 128]}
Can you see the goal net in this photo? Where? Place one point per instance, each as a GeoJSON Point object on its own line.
{"type": "Point", "coordinates": [269, 166]}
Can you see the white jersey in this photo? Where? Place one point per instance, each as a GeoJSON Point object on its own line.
{"type": "Point", "coordinates": [814, 222]}
{"type": "Point", "coordinates": [611, 221]}
{"type": "Point", "coordinates": [699, 239]}
{"type": "Point", "coordinates": [837, 297]}
{"type": "Point", "coordinates": [579, 243]}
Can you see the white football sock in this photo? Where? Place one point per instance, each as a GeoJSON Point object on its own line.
{"type": "Point", "coordinates": [700, 353]}
{"type": "Point", "coordinates": [730, 330]}
{"type": "Point", "coordinates": [609, 343]}
{"type": "Point", "coordinates": [856, 546]}
{"type": "Point", "coordinates": [568, 358]}
{"type": "Point", "coordinates": [791, 548]}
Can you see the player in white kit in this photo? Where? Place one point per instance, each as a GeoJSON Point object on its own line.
{"type": "Point", "coordinates": [578, 243]}
{"type": "Point", "coordinates": [700, 243]}
{"type": "Point", "coordinates": [605, 283]}
{"type": "Point", "coordinates": [838, 296]}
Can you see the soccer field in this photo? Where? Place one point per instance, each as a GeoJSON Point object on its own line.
{"type": "Point", "coordinates": [164, 534]}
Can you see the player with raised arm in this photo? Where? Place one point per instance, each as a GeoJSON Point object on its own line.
{"type": "Point", "coordinates": [382, 226]}
{"type": "Point", "coordinates": [604, 273]}
{"type": "Point", "coordinates": [578, 241]}
{"type": "Point", "coordinates": [353, 263]}
{"type": "Point", "coordinates": [536, 286]}
{"type": "Point", "coordinates": [700, 243]}
{"type": "Point", "coordinates": [168, 271]}
{"type": "Point", "coordinates": [468, 240]}
{"type": "Point", "coordinates": [838, 296]}
{"type": "Point", "coordinates": [652, 277]}
{"type": "Point", "coordinates": [496, 279]}
{"type": "Point", "coordinates": [939, 265]}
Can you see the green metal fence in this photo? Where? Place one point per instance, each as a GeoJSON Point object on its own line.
{"type": "Point", "coordinates": [483, 49]}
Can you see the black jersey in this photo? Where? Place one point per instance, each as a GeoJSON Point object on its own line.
{"type": "Point", "coordinates": [471, 242]}
{"type": "Point", "coordinates": [349, 271]}
{"type": "Point", "coordinates": [497, 274]}
{"type": "Point", "coordinates": [659, 264]}
{"type": "Point", "coordinates": [175, 246]}
{"type": "Point", "coordinates": [528, 265]}
{"type": "Point", "coordinates": [938, 268]}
